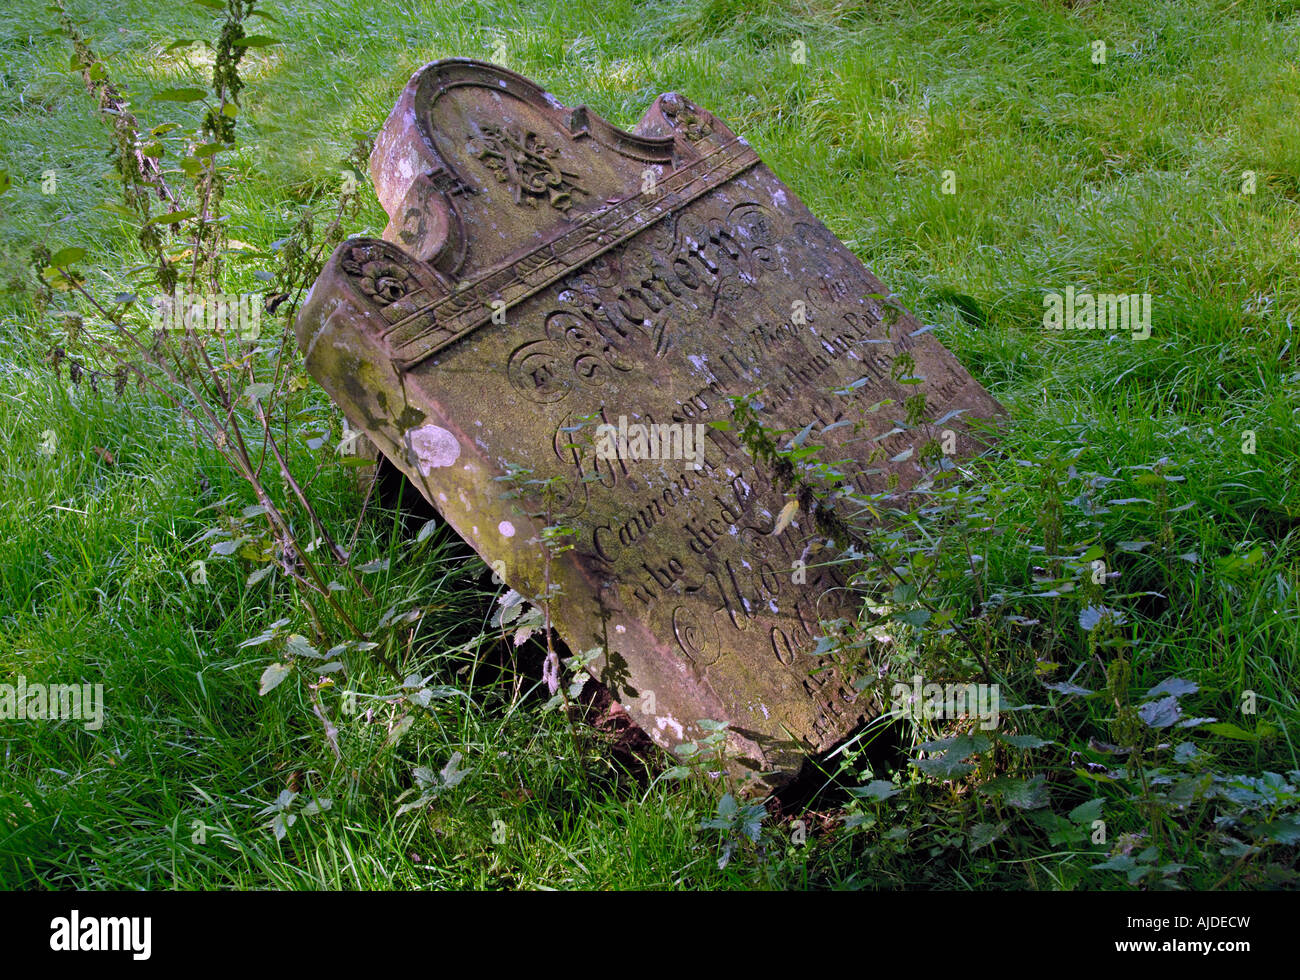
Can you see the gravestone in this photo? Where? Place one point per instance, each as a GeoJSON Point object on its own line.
{"type": "Point", "coordinates": [561, 300]}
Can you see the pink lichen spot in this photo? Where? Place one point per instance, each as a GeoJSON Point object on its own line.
{"type": "Point", "coordinates": [663, 722]}
{"type": "Point", "coordinates": [431, 447]}
{"type": "Point", "coordinates": [507, 529]}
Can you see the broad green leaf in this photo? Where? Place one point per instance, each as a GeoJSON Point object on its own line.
{"type": "Point", "coordinates": [401, 728]}
{"type": "Point", "coordinates": [256, 41]}
{"type": "Point", "coordinates": [1023, 794]}
{"type": "Point", "coordinates": [260, 574]}
{"type": "Point", "coordinates": [984, 834]}
{"type": "Point", "coordinates": [170, 218]}
{"type": "Point", "coordinates": [876, 790]}
{"type": "Point", "coordinates": [259, 391]}
{"type": "Point", "coordinates": [1025, 741]}
{"type": "Point", "coordinates": [65, 257]}
{"type": "Point", "coordinates": [1175, 686]}
{"type": "Point", "coordinates": [297, 646]}
{"type": "Point", "coordinates": [1228, 730]}
{"type": "Point", "coordinates": [1161, 713]}
{"type": "Point", "coordinates": [272, 677]}
{"type": "Point", "coordinates": [1086, 813]}
{"type": "Point", "coordinates": [180, 95]}
{"type": "Point", "coordinates": [913, 617]}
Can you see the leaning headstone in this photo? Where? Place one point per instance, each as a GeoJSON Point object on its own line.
{"type": "Point", "coordinates": [555, 316]}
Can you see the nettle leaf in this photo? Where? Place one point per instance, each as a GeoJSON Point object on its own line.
{"type": "Point", "coordinates": [255, 41]}
{"type": "Point", "coordinates": [266, 636]}
{"type": "Point", "coordinates": [273, 677]}
{"type": "Point", "coordinates": [984, 834]}
{"type": "Point", "coordinates": [378, 565]}
{"type": "Point", "coordinates": [451, 773]}
{"type": "Point", "coordinates": [1086, 813]}
{"type": "Point", "coordinates": [67, 256]}
{"type": "Point", "coordinates": [1023, 794]}
{"type": "Point", "coordinates": [914, 617]}
{"type": "Point", "coordinates": [1285, 832]}
{"type": "Point", "coordinates": [317, 806]}
{"type": "Point", "coordinates": [297, 646]}
{"type": "Point", "coordinates": [947, 417]}
{"type": "Point", "coordinates": [1160, 714]}
{"type": "Point", "coordinates": [260, 574]}
{"type": "Point", "coordinates": [1120, 862]}
{"type": "Point", "coordinates": [180, 95]}
{"type": "Point", "coordinates": [725, 857]}
{"type": "Point", "coordinates": [170, 218]}
{"type": "Point", "coordinates": [281, 824]}
{"type": "Point", "coordinates": [258, 392]}
{"type": "Point", "coordinates": [728, 807]}
{"type": "Point", "coordinates": [284, 800]}
{"type": "Point", "coordinates": [511, 606]}
{"type": "Point", "coordinates": [1065, 687]}
{"type": "Point", "coordinates": [401, 728]}
{"type": "Point", "coordinates": [1060, 831]}
{"type": "Point", "coordinates": [966, 743]}
{"type": "Point", "coordinates": [904, 592]}
{"type": "Point", "coordinates": [1228, 730]}
{"type": "Point", "coordinates": [876, 790]}
{"type": "Point", "coordinates": [1175, 686]}
{"type": "Point", "coordinates": [1091, 617]}
{"type": "Point", "coordinates": [1025, 741]}
{"type": "Point", "coordinates": [949, 765]}
{"type": "Point", "coordinates": [752, 817]}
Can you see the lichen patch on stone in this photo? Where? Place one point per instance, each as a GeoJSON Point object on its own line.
{"type": "Point", "coordinates": [431, 447]}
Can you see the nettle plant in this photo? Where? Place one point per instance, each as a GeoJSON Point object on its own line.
{"type": "Point", "coordinates": [1127, 795]}
{"type": "Point", "coordinates": [230, 368]}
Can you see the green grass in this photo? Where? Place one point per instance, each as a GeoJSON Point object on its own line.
{"type": "Point", "coordinates": [1120, 177]}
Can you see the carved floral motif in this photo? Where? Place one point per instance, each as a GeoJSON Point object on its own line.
{"type": "Point", "coordinates": [694, 122]}
{"type": "Point", "coordinates": [379, 277]}
{"type": "Point", "coordinates": [522, 159]}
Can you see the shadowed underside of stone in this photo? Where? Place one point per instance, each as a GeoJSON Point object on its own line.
{"type": "Point", "coordinates": [544, 273]}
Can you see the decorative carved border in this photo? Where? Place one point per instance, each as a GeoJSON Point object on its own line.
{"type": "Point", "coordinates": [429, 329]}
{"type": "Point", "coordinates": [701, 155]}
{"type": "Point", "coordinates": [441, 77]}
